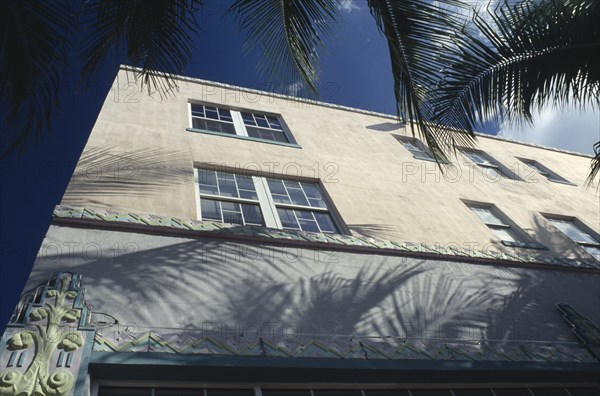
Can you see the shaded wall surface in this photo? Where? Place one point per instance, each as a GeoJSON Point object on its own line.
{"type": "Point", "coordinates": [152, 293]}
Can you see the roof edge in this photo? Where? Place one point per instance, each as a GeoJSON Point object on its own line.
{"type": "Point", "coordinates": [339, 107]}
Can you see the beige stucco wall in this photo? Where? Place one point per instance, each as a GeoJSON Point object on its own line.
{"type": "Point", "coordinates": [140, 158]}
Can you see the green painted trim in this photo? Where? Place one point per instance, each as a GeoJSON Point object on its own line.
{"type": "Point", "coordinates": [250, 138]}
{"type": "Point", "coordinates": [161, 366]}
{"type": "Point", "coordinates": [81, 385]}
{"type": "Point", "coordinates": [102, 218]}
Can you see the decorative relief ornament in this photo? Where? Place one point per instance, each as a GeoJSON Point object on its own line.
{"type": "Point", "coordinates": [50, 329]}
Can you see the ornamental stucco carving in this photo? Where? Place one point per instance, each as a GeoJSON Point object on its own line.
{"type": "Point", "coordinates": [54, 327]}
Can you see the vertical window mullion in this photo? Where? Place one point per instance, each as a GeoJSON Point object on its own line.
{"type": "Point", "coordinates": [197, 186]}
{"type": "Point", "coordinates": [238, 123]}
{"type": "Point", "coordinates": [266, 203]}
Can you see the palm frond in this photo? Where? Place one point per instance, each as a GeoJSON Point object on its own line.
{"type": "Point", "coordinates": [33, 55]}
{"type": "Point", "coordinates": [416, 31]}
{"type": "Point", "coordinates": [288, 33]}
{"type": "Point", "coordinates": [594, 166]}
{"type": "Point", "coordinates": [154, 35]}
{"type": "Point", "coordinates": [521, 57]}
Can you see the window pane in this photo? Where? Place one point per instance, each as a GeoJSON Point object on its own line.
{"type": "Point", "coordinates": [113, 391]}
{"type": "Point", "coordinates": [549, 392]}
{"type": "Point", "coordinates": [210, 209]}
{"type": "Point", "coordinates": [297, 196]}
{"type": "Point", "coordinates": [325, 222]}
{"type": "Point", "coordinates": [472, 392]}
{"type": "Point", "coordinates": [308, 225]}
{"type": "Point", "coordinates": [252, 214]}
{"type": "Point", "coordinates": [227, 184]}
{"type": "Point", "coordinates": [178, 392]}
{"type": "Point", "coordinates": [288, 220]}
{"type": "Point", "coordinates": [253, 132]}
{"type": "Point", "coordinates": [230, 392]}
{"type": "Point", "coordinates": [246, 187]}
{"type": "Point", "coordinates": [261, 121]}
{"type": "Point", "coordinates": [487, 216]}
{"type": "Point", "coordinates": [504, 234]}
{"type": "Point", "coordinates": [286, 392]}
{"type": "Point", "coordinates": [276, 186]}
{"type": "Point", "coordinates": [248, 119]}
{"type": "Point", "coordinates": [232, 217]}
{"type": "Point", "coordinates": [274, 123]}
{"type": "Point", "coordinates": [594, 251]}
{"type": "Point", "coordinates": [511, 392]}
{"type": "Point", "coordinates": [572, 231]}
{"type": "Point", "coordinates": [584, 391]}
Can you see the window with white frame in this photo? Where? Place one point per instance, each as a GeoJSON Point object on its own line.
{"type": "Point", "coordinates": [481, 159]}
{"type": "Point", "coordinates": [205, 118]}
{"type": "Point", "coordinates": [500, 226]}
{"type": "Point", "coordinates": [286, 204]}
{"type": "Point", "coordinates": [416, 147]}
{"type": "Point", "coordinates": [578, 235]}
{"type": "Point", "coordinates": [542, 170]}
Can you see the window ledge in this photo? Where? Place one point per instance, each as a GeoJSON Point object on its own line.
{"type": "Point", "coordinates": [253, 139]}
{"type": "Point", "coordinates": [423, 158]}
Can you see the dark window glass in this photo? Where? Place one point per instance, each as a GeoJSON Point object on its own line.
{"type": "Point", "coordinates": [430, 392]}
{"type": "Point", "coordinates": [286, 392]}
{"type": "Point", "coordinates": [114, 391]}
{"type": "Point", "coordinates": [337, 392]}
{"type": "Point", "coordinates": [511, 392]}
{"type": "Point", "coordinates": [386, 392]}
{"type": "Point", "coordinates": [178, 392]}
{"type": "Point", "coordinates": [584, 391]}
{"type": "Point", "coordinates": [472, 392]}
{"type": "Point", "coordinates": [230, 392]}
{"type": "Point", "coordinates": [549, 392]}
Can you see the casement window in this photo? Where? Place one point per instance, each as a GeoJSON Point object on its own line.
{"type": "Point", "coordinates": [491, 167]}
{"type": "Point", "coordinates": [416, 147]}
{"type": "Point", "coordinates": [239, 123]}
{"type": "Point", "coordinates": [578, 235]}
{"type": "Point", "coordinates": [542, 170]}
{"type": "Point", "coordinates": [499, 225]}
{"type": "Point", "coordinates": [252, 200]}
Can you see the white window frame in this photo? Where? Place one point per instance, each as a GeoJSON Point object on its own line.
{"type": "Point", "coordinates": [239, 125]}
{"type": "Point", "coordinates": [521, 240]}
{"type": "Point", "coordinates": [420, 151]}
{"type": "Point", "coordinates": [544, 171]}
{"type": "Point", "coordinates": [268, 206]}
{"type": "Point", "coordinates": [488, 163]}
{"type": "Point", "coordinates": [581, 228]}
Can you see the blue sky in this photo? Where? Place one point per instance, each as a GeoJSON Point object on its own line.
{"type": "Point", "coordinates": [355, 72]}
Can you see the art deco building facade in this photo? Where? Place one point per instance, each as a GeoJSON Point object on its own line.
{"type": "Point", "coordinates": [227, 241]}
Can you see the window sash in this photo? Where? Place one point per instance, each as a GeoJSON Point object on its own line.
{"type": "Point", "coordinates": [304, 207]}
{"type": "Point", "coordinates": [241, 123]}
{"type": "Point", "coordinates": [499, 226]}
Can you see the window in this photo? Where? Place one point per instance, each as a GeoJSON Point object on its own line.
{"type": "Point", "coordinates": [242, 124]}
{"type": "Point", "coordinates": [416, 147]}
{"type": "Point", "coordinates": [578, 235]}
{"type": "Point", "coordinates": [542, 170]}
{"type": "Point", "coordinates": [252, 200]}
{"type": "Point", "coordinates": [490, 167]}
{"type": "Point", "coordinates": [501, 227]}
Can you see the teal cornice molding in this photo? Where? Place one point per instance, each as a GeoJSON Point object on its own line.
{"type": "Point", "coordinates": [342, 347]}
{"type": "Point", "coordinates": [42, 349]}
{"type": "Point", "coordinates": [192, 227]}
